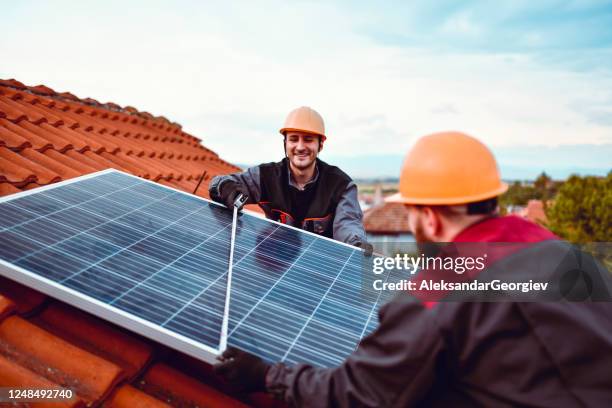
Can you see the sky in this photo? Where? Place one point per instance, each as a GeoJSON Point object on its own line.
{"type": "Point", "coordinates": [533, 80]}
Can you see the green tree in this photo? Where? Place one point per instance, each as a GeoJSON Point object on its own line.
{"type": "Point", "coordinates": [517, 194]}
{"type": "Point", "coordinates": [582, 210]}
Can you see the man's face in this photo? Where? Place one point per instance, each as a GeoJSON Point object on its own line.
{"type": "Point", "coordinates": [302, 149]}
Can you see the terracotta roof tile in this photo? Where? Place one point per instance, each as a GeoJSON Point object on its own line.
{"type": "Point", "coordinates": [14, 375]}
{"type": "Point", "coordinates": [97, 337]}
{"type": "Point", "coordinates": [178, 389]}
{"type": "Point", "coordinates": [57, 139]}
{"type": "Point", "coordinates": [85, 159]}
{"type": "Point", "coordinates": [6, 306]}
{"type": "Point", "coordinates": [37, 142]}
{"type": "Point", "coordinates": [105, 163]}
{"type": "Point", "coordinates": [26, 300]}
{"type": "Point", "coordinates": [43, 90]}
{"type": "Point", "coordinates": [37, 113]}
{"type": "Point", "coordinates": [7, 188]}
{"type": "Point", "coordinates": [90, 376]}
{"type": "Point", "coordinates": [9, 112]}
{"type": "Point", "coordinates": [12, 83]}
{"type": "Point", "coordinates": [130, 397]}
{"type": "Point", "coordinates": [80, 166]}
{"type": "Point", "coordinates": [13, 171]}
{"type": "Point", "coordinates": [12, 140]}
{"type": "Point", "coordinates": [59, 168]}
{"type": "Point", "coordinates": [20, 169]}
{"type": "Point", "coordinates": [389, 218]}
{"type": "Point", "coordinates": [534, 211]}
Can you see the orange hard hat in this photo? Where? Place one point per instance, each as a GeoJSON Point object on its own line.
{"type": "Point", "coordinates": [448, 168]}
{"type": "Point", "coordinates": [304, 119]}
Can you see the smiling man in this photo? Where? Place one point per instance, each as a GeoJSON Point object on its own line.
{"type": "Point", "coordinates": [300, 190]}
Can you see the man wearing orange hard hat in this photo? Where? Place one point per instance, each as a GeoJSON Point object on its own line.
{"type": "Point", "coordinates": [452, 352]}
{"type": "Point", "coordinates": [301, 190]}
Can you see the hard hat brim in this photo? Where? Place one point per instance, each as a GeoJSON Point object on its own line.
{"type": "Point", "coordinates": [285, 130]}
{"type": "Point", "coordinates": [398, 198]}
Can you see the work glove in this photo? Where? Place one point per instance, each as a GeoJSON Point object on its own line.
{"type": "Point", "coordinates": [229, 191]}
{"type": "Point", "coordinates": [243, 371]}
{"type": "Point", "coordinates": [366, 246]}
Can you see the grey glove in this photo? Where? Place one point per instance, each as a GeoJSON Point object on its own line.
{"type": "Point", "coordinates": [367, 248]}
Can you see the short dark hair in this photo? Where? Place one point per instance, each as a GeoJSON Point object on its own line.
{"type": "Point", "coordinates": [483, 207]}
{"type": "Point", "coordinates": [486, 207]}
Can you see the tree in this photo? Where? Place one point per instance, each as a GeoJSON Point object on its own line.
{"type": "Point", "coordinates": [582, 210]}
{"type": "Point", "coordinates": [517, 194]}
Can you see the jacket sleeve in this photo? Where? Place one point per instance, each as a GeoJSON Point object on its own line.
{"type": "Point", "coordinates": [250, 179]}
{"type": "Point", "coordinates": [393, 366]}
{"type": "Point", "coordinates": [348, 220]}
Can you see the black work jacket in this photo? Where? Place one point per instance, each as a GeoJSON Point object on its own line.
{"type": "Point", "coordinates": [466, 354]}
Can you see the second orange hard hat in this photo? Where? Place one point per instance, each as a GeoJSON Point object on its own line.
{"type": "Point", "coordinates": [448, 168]}
{"type": "Point", "coordinates": [304, 119]}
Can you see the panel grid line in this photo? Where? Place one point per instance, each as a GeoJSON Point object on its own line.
{"type": "Point", "coordinates": [143, 210]}
{"type": "Point", "coordinates": [114, 253]}
{"type": "Point", "coordinates": [173, 262]}
{"type": "Point", "coordinates": [285, 243]}
{"type": "Point", "coordinates": [83, 231]}
{"type": "Point", "coordinates": [316, 308]}
{"type": "Point", "coordinates": [270, 290]}
{"type": "Point", "coordinates": [215, 281]}
{"type": "Point", "coordinates": [10, 203]}
{"type": "Point", "coordinates": [376, 303]}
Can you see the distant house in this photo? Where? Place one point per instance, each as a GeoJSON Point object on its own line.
{"type": "Point", "coordinates": [387, 227]}
{"type": "Point", "coordinates": [534, 212]}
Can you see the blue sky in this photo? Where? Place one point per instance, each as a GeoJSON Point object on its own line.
{"type": "Point", "coordinates": [521, 76]}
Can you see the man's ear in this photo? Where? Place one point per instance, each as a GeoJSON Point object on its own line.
{"type": "Point", "coordinates": [320, 144]}
{"type": "Point", "coordinates": [285, 144]}
{"type": "Point", "coordinates": [432, 222]}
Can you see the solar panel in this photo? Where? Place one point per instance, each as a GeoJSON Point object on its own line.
{"type": "Point", "coordinates": [155, 260]}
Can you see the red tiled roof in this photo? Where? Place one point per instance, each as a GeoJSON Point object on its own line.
{"type": "Point", "coordinates": [46, 137]}
{"type": "Point", "coordinates": [534, 211]}
{"type": "Point", "coordinates": [388, 218]}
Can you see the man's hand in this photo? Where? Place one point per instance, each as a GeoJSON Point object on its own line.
{"type": "Point", "coordinates": [366, 246]}
{"type": "Point", "coordinates": [229, 191]}
{"type": "Point", "coordinates": [243, 371]}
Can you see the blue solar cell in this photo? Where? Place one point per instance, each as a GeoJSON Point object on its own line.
{"type": "Point", "coordinates": [105, 208]}
{"type": "Point", "coordinates": [45, 231]}
{"type": "Point", "coordinates": [39, 204]}
{"type": "Point", "coordinates": [76, 218]}
{"type": "Point", "coordinates": [14, 246]}
{"type": "Point", "coordinates": [162, 256]}
{"type": "Point", "coordinates": [99, 283]}
{"type": "Point", "coordinates": [52, 264]}
{"type": "Point", "coordinates": [131, 265]}
{"type": "Point", "coordinates": [141, 221]}
{"type": "Point", "coordinates": [70, 195]}
{"type": "Point", "coordinates": [152, 190]}
{"type": "Point", "coordinates": [87, 247]}
{"type": "Point", "coordinates": [12, 215]}
{"type": "Point", "coordinates": [148, 303]}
